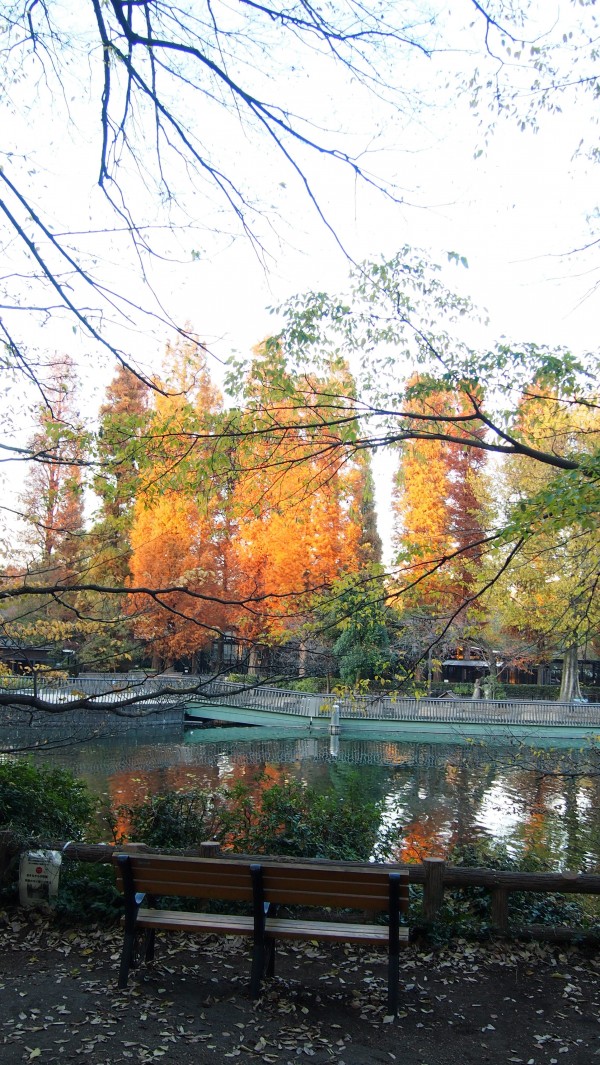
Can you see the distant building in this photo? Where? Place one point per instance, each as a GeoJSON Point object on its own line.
{"type": "Point", "coordinates": [20, 656]}
{"type": "Point", "coordinates": [466, 663]}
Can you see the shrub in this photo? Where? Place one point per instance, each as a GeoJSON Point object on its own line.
{"type": "Point", "coordinates": [466, 911]}
{"type": "Point", "coordinates": [88, 893]}
{"type": "Point", "coordinates": [175, 819]}
{"type": "Point", "coordinates": [41, 803]}
{"type": "Point", "coordinates": [293, 819]}
{"type": "Point", "coordinates": [545, 692]}
{"type": "Point", "coordinates": [311, 685]}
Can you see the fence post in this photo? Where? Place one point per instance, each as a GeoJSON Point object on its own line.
{"type": "Point", "coordinates": [499, 909]}
{"type": "Point", "coordinates": [433, 891]}
{"type": "Point", "coordinates": [210, 849]}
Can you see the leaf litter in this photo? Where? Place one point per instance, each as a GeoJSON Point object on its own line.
{"type": "Point", "coordinates": [479, 1003]}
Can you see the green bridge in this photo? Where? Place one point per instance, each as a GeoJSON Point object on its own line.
{"type": "Point", "coordinates": [173, 698]}
{"type": "Point", "coordinates": [394, 717]}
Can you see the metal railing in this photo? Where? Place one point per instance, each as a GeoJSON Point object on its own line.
{"type": "Point", "coordinates": [391, 708]}
{"type": "Point", "coordinates": [112, 689]}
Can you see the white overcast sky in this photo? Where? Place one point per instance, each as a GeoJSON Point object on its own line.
{"type": "Point", "coordinates": [512, 211]}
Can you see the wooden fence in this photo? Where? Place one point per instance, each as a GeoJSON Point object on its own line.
{"type": "Point", "coordinates": [434, 875]}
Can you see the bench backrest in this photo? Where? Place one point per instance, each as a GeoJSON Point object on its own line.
{"type": "Point", "coordinates": [295, 883]}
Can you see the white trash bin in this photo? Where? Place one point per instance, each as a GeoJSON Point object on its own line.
{"type": "Point", "coordinates": [39, 874]}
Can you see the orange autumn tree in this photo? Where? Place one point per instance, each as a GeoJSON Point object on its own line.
{"type": "Point", "coordinates": [440, 514]}
{"type": "Point", "coordinates": [244, 515]}
{"type": "Point", "coordinates": [179, 537]}
{"type": "Point", "coordinates": [438, 498]}
{"type": "Point", "coordinates": [304, 513]}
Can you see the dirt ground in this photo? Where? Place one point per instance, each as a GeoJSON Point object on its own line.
{"type": "Point", "coordinates": [463, 1003]}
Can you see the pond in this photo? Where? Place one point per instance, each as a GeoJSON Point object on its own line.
{"type": "Point", "coordinates": [542, 801]}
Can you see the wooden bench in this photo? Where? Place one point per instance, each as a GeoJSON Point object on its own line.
{"type": "Point", "coordinates": [266, 885]}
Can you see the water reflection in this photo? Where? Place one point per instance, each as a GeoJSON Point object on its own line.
{"type": "Point", "coordinates": [542, 803]}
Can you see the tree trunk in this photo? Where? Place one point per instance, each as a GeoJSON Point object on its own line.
{"type": "Point", "coordinates": [302, 658]}
{"type": "Point", "coordinates": [569, 682]}
{"type": "Point", "coordinates": [253, 659]}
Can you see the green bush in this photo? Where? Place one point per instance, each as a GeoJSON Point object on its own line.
{"type": "Point", "coordinates": [467, 911]}
{"type": "Point", "coordinates": [497, 690]}
{"type": "Point", "coordinates": [48, 805]}
{"type": "Point", "coordinates": [176, 819]}
{"type": "Point", "coordinates": [293, 819]}
{"type": "Point", "coordinates": [88, 893]}
{"type": "Point", "coordinates": [312, 685]}
{"type": "Point", "coordinates": [41, 803]}
{"type": "Point", "coordinates": [546, 692]}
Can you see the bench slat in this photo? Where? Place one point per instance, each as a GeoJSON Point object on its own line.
{"type": "Point", "coordinates": [189, 869]}
{"type": "Point", "coordinates": [336, 899]}
{"type": "Point", "coordinates": [183, 920]}
{"type": "Point", "coordinates": [341, 932]}
{"type": "Point", "coordinates": [281, 928]}
{"type": "Point", "coordinates": [304, 886]}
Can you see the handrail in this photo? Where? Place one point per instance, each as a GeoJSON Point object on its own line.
{"type": "Point", "coordinates": [107, 689]}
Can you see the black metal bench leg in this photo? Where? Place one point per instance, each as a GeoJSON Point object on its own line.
{"type": "Point", "coordinates": [394, 943]}
{"type": "Point", "coordinates": [258, 968]}
{"type": "Point", "coordinates": [127, 957]}
{"type": "Point", "coordinates": [259, 945]}
{"type": "Point", "coordinates": [132, 905]}
{"type": "Point", "coordinates": [270, 970]}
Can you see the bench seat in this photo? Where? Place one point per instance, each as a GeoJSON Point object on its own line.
{"type": "Point", "coordinates": [278, 927]}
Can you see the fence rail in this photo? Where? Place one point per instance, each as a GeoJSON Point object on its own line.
{"type": "Point", "coordinates": [433, 875]}
{"type": "Point", "coordinates": [104, 689]}
{"type": "Point", "coordinates": [391, 708]}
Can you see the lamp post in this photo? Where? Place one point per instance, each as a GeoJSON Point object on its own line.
{"type": "Point", "coordinates": [72, 666]}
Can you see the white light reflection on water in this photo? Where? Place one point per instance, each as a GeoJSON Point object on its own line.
{"type": "Point", "coordinates": [499, 814]}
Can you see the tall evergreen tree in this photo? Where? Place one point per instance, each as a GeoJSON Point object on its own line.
{"type": "Point", "coordinates": [120, 452]}
{"type": "Point", "coordinates": [52, 499]}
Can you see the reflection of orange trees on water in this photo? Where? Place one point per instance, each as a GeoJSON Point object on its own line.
{"type": "Point", "coordinates": [394, 755]}
{"type": "Point", "coordinates": [130, 788]}
{"type": "Point", "coordinates": [535, 830]}
{"type": "Point", "coordinates": [421, 840]}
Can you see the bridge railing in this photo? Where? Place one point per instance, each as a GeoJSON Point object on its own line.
{"type": "Point", "coordinates": [105, 689]}
{"type": "Point", "coordinates": [391, 708]}
{"type": "Point", "coordinates": [113, 688]}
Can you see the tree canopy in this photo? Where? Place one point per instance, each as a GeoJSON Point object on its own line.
{"type": "Point", "coordinates": [182, 127]}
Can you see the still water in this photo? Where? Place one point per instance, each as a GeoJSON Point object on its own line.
{"type": "Point", "coordinates": [540, 801]}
